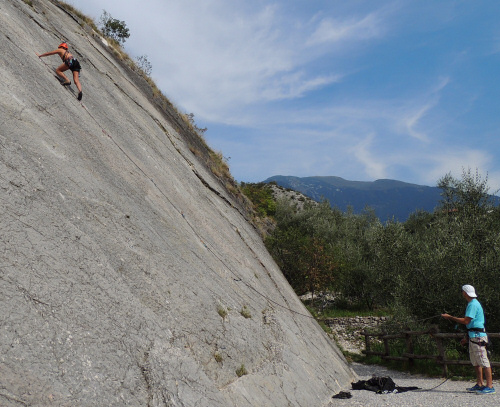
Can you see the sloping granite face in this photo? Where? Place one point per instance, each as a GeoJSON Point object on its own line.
{"type": "Point", "coordinates": [127, 276]}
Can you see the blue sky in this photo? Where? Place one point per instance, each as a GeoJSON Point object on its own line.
{"type": "Point", "coordinates": [359, 89]}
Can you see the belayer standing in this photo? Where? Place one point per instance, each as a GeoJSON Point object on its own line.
{"type": "Point", "coordinates": [69, 62]}
{"type": "Point", "coordinates": [478, 339]}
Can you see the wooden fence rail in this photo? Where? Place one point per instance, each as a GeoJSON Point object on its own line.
{"type": "Point", "coordinates": [409, 356]}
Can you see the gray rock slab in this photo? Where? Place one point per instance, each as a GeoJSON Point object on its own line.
{"type": "Point", "coordinates": [127, 276]}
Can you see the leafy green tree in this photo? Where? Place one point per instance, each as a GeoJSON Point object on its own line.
{"type": "Point", "coordinates": [300, 246]}
{"type": "Point", "coordinates": [286, 245]}
{"type": "Point", "coordinates": [262, 198]}
{"type": "Point", "coordinates": [458, 244]}
{"type": "Point", "coordinates": [470, 193]}
{"type": "Point", "coordinates": [113, 28]}
{"type": "Point", "coordinates": [357, 279]}
{"type": "Point", "coordinates": [416, 268]}
{"type": "Point", "coordinates": [317, 265]}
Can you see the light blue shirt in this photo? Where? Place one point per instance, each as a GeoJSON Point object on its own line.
{"type": "Point", "coordinates": [475, 311]}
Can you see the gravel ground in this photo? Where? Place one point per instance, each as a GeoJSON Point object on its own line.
{"type": "Point", "coordinates": [449, 394]}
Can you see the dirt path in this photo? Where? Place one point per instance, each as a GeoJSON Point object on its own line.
{"type": "Point", "coordinates": [448, 394]}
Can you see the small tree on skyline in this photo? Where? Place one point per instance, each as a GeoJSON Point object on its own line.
{"type": "Point", "coordinates": [113, 28]}
{"type": "Point", "coordinates": [144, 64]}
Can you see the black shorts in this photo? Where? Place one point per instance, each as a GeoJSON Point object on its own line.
{"type": "Point", "coordinates": [73, 65]}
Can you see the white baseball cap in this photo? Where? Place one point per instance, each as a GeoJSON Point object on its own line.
{"type": "Point", "coordinates": [469, 290]}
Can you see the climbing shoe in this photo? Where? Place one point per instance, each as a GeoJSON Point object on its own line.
{"type": "Point", "coordinates": [475, 388]}
{"type": "Point", "coordinates": [343, 395]}
{"type": "Point", "coordinates": [486, 390]}
{"type": "Point", "coordinates": [80, 96]}
{"type": "Point", "coordinates": [66, 83]}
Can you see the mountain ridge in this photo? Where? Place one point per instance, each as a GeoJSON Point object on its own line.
{"type": "Point", "coordinates": [389, 198]}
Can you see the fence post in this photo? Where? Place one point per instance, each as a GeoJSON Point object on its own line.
{"type": "Point", "coordinates": [409, 347]}
{"type": "Point", "coordinates": [386, 344]}
{"type": "Point", "coordinates": [441, 353]}
{"type": "Point", "coordinates": [367, 340]}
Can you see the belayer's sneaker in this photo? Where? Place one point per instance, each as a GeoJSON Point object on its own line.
{"type": "Point", "coordinates": [475, 388]}
{"type": "Point", "coordinates": [486, 390]}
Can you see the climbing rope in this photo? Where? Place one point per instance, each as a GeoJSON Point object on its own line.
{"type": "Point", "coordinates": [236, 278]}
{"type": "Point", "coordinates": [435, 387]}
{"type": "Point", "coordinates": [425, 319]}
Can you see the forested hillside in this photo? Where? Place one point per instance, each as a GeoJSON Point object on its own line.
{"type": "Point", "coordinates": [414, 268]}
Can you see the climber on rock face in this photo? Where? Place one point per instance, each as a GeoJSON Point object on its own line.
{"type": "Point", "coordinates": [69, 62]}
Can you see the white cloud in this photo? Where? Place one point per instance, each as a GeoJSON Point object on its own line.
{"type": "Point", "coordinates": [455, 159]}
{"type": "Point", "coordinates": [296, 85]}
{"type": "Point", "coordinates": [217, 58]}
{"type": "Point", "coordinates": [413, 116]}
{"type": "Point", "coordinates": [373, 165]}
{"type": "Point", "coordinates": [410, 123]}
{"type": "Point", "coordinates": [221, 62]}
{"type": "Point", "coordinates": [334, 30]}
{"type": "Point", "coordinates": [263, 66]}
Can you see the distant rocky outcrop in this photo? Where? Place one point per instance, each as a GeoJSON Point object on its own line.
{"type": "Point", "coordinates": [129, 275]}
{"type": "Point", "coordinates": [296, 198]}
